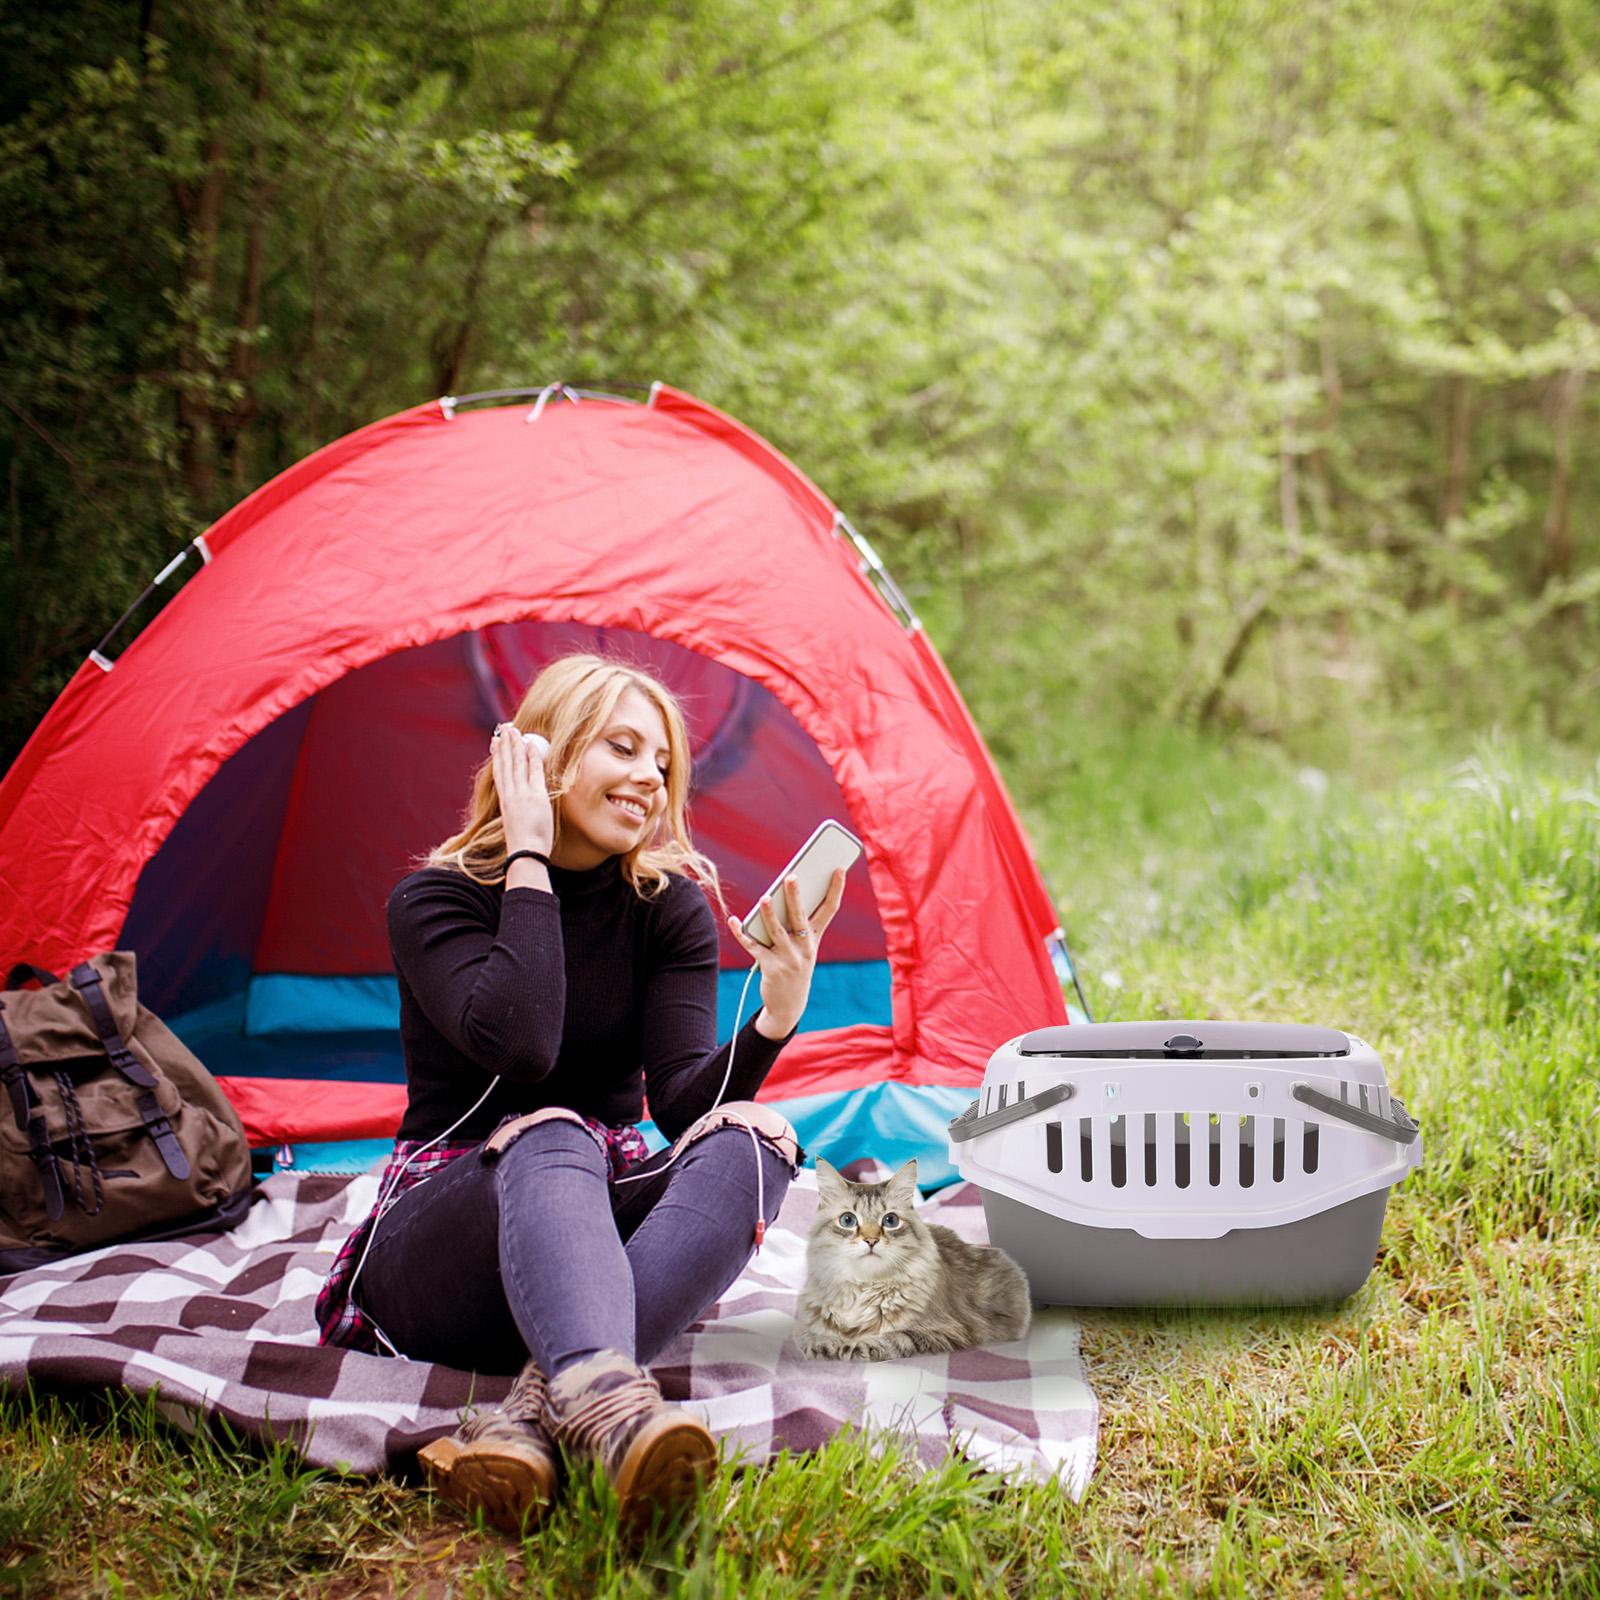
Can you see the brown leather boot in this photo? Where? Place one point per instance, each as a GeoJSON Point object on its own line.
{"type": "Point", "coordinates": [610, 1410]}
{"type": "Point", "coordinates": [499, 1462]}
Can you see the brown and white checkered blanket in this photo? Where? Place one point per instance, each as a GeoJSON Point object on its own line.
{"type": "Point", "coordinates": [222, 1325]}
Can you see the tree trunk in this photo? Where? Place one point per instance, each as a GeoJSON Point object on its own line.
{"type": "Point", "coordinates": [1458, 414]}
{"type": "Point", "coordinates": [450, 347]}
{"type": "Point", "coordinates": [579, 50]}
{"type": "Point", "coordinates": [202, 211]}
{"type": "Point", "coordinates": [1255, 612]}
{"type": "Point", "coordinates": [1324, 492]}
{"type": "Point", "coordinates": [451, 344]}
{"type": "Point", "coordinates": [242, 367]}
{"type": "Point", "coordinates": [1458, 439]}
{"type": "Point", "coordinates": [1288, 463]}
{"type": "Point", "coordinates": [1458, 432]}
{"type": "Point", "coordinates": [1556, 561]}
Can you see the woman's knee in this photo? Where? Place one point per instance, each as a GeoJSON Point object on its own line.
{"type": "Point", "coordinates": [733, 1158]}
{"type": "Point", "coordinates": [749, 1120]}
{"type": "Point", "coordinates": [553, 1138]}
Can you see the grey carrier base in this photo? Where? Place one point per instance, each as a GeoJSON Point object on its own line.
{"type": "Point", "coordinates": [1321, 1258]}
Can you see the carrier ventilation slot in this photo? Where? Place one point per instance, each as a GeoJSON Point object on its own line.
{"type": "Point", "coordinates": [996, 1096]}
{"type": "Point", "coordinates": [1192, 1149]}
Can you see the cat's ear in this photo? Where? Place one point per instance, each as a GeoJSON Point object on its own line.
{"type": "Point", "coordinates": [902, 1190]}
{"type": "Point", "coordinates": [830, 1186]}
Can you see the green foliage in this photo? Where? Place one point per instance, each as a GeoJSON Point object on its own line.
{"type": "Point", "coordinates": [1228, 364]}
{"type": "Point", "coordinates": [1155, 357]}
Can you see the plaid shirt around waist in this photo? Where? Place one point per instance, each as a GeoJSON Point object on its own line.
{"type": "Point", "coordinates": [341, 1320]}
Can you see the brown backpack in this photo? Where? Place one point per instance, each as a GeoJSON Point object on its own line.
{"type": "Point", "coordinates": [110, 1129]}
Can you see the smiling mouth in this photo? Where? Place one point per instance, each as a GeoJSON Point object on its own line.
{"type": "Point", "coordinates": [629, 808]}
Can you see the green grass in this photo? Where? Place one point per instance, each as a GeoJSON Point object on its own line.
{"type": "Point", "coordinates": [1437, 1435]}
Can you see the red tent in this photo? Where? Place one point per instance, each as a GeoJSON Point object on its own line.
{"type": "Point", "coordinates": [234, 797]}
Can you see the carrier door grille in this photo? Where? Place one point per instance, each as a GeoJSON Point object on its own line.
{"type": "Point", "coordinates": [1184, 1150]}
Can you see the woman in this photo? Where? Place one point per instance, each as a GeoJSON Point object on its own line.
{"type": "Point", "coordinates": [557, 960]}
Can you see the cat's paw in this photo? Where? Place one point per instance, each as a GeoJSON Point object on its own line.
{"type": "Point", "coordinates": [882, 1347]}
{"type": "Point", "coordinates": [816, 1349]}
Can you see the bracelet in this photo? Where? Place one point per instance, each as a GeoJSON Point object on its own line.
{"type": "Point", "coordinates": [532, 855]}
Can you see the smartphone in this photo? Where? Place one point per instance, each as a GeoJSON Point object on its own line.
{"type": "Point", "coordinates": [832, 845]}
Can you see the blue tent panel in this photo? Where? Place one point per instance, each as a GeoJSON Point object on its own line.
{"type": "Point", "coordinates": [280, 1004]}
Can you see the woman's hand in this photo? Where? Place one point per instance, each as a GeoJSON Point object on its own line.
{"type": "Point", "coordinates": [787, 966]}
{"type": "Point", "coordinates": [524, 799]}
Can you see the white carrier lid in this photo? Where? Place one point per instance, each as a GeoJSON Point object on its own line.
{"type": "Point", "coordinates": [1184, 1129]}
{"type": "Point", "coordinates": [1185, 1041]}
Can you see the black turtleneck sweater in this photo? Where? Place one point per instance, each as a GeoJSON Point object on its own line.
{"type": "Point", "coordinates": [587, 997]}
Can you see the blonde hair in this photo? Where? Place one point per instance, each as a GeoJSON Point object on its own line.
{"type": "Point", "coordinates": [570, 703]}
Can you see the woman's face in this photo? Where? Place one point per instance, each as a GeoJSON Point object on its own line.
{"type": "Point", "coordinates": [619, 791]}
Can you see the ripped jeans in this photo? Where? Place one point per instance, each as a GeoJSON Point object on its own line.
{"type": "Point", "coordinates": [541, 1253]}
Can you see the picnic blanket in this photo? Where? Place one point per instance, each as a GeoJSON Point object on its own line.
{"type": "Point", "coordinates": [222, 1326]}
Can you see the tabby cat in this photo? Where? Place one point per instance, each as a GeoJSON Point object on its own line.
{"type": "Point", "coordinates": [881, 1282]}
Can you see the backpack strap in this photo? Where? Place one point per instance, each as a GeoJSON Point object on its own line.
{"type": "Point", "coordinates": [29, 1114]}
{"type": "Point", "coordinates": [86, 980]}
{"type": "Point", "coordinates": [26, 970]}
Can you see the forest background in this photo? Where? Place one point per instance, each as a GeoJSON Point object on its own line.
{"type": "Point", "coordinates": [1214, 362]}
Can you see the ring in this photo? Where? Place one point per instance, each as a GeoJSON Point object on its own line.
{"type": "Point", "coordinates": [800, 933]}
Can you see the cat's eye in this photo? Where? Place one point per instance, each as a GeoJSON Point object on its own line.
{"type": "Point", "coordinates": [891, 1219]}
{"type": "Point", "coordinates": [847, 1219]}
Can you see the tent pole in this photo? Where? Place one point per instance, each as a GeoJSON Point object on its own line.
{"type": "Point", "coordinates": [449, 404]}
{"type": "Point", "coordinates": [874, 571]}
{"type": "Point", "coordinates": [198, 543]}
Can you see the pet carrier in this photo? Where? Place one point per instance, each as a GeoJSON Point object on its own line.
{"type": "Point", "coordinates": [1186, 1163]}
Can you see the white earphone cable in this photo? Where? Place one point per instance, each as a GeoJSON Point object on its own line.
{"type": "Point", "coordinates": [386, 1200]}
{"type": "Point", "coordinates": [722, 1089]}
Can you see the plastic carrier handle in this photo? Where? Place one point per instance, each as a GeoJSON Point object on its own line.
{"type": "Point", "coordinates": [1399, 1125]}
{"type": "Point", "coordinates": [969, 1124]}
